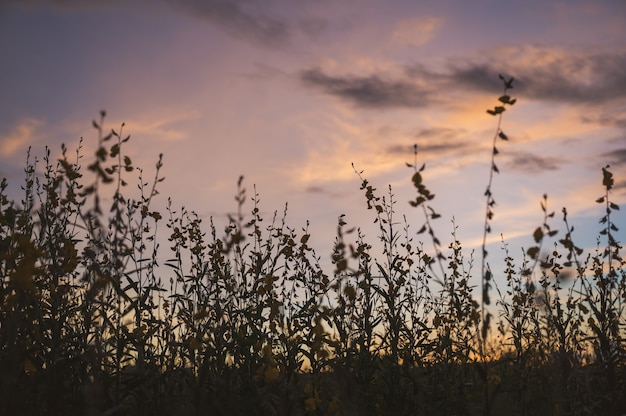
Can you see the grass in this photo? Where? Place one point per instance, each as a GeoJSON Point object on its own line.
{"type": "Point", "coordinates": [96, 318]}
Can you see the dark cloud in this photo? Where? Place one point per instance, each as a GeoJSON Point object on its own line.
{"type": "Point", "coordinates": [481, 77]}
{"type": "Point", "coordinates": [440, 140]}
{"type": "Point", "coordinates": [575, 77]}
{"type": "Point", "coordinates": [368, 91]}
{"type": "Point", "coordinates": [531, 163]}
{"type": "Point", "coordinates": [605, 119]}
{"type": "Point", "coordinates": [615, 157]}
{"type": "Point", "coordinates": [240, 18]}
{"type": "Point", "coordinates": [313, 189]}
{"type": "Point", "coordinates": [440, 148]}
{"type": "Point", "coordinates": [445, 133]}
{"type": "Point", "coordinates": [583, 78]}
{"type": "Point", "coordinates": [247, 19]}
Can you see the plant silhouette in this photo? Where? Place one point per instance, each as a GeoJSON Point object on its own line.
{"type": "Point", "coordinates": [97, 318]}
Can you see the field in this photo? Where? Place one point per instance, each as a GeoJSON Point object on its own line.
{"type": "Point", "coordinates": [96, 318]}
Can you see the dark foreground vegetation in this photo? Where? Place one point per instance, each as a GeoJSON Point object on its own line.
{"type": "Point", "coordinates": [97, 319]}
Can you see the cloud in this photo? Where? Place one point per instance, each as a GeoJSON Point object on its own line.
{"type": "Point", "coordinates": [368, 91]}
{"type": "Point", "coordinates": [606, 119]}
{"type": "Point", "coordinates": [551, 74]}
{"type": "Point", "coordinates": [542, 73]}
{"type": "Point", "coordinates": [615, 157]}
{"type": "Point", "coordinates": [442, 141]}
{"type": "Point", "coordinates": [416, 31]}
{"type": "Point", "coordinates": [20, 137]}
{"type": "Point", "coordinates": [240, 18]}
{"type": "Point", "coordinates": [531, 163]}
{"type": "Point", "coordinates": [162, 127]}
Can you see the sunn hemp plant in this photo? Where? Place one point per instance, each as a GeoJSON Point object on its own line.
{"type": "Point", "coordinates": [96, 318]}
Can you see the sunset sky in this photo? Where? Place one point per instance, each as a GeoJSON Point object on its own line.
{"type": "Point", "coordinates": [291, 93]}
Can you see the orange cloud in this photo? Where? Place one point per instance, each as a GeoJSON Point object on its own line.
{"type": "Point", "coordinates": [20, 137]}
{"type": "Point", "coordinates": [416, 31]}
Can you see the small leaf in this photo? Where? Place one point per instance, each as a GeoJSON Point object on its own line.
{"type": "Point", "coordinates": [538, 235]}
{"type": "Point", "coordinates": [600, 200]}
{"type": "Point", "coordinates": [115, 150]}
{"type": "Point", "coordinates": [503, 136]}
{"type": "Point", "coordinates": [607, 178]}
{"type": "Point", "coordinates": [417, 179]}
{"type": "Point", "coordinates": [505, 99]}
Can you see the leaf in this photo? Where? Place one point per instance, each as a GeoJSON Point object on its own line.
{"type": "Point", "coordinates": [417, 179]}
{"type": "Point", "coordinates": [505, 99]}
{"type": "Point", "coordinates": [503, 136]}
{"type": "Point", "coordinates": [600, 200]}
{"type": "Point", "coordinates": [532, 252]}
{"type": "Point", "coordinates": [614, 206]}
{"type": "Point", "coordinates": [115, 150]}
{"type": "Point", "coordinates": [607, 178]}
{"type": "Point", "coordinates": [538, 235]}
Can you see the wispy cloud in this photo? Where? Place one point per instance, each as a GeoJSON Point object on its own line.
{"type": "Point", "coordinates": [240, 18]}
{"type": "Point", "coordinates": [416, 31]}
{"type": "Point", "coordinates": [439, 141]}
{"type": "Point", "coordinates": [162, 127]}
{"type": "Point", "coordinates": [532, 163]}
{"type": "Point", "coordinates": [250, 20]}
{"type": "Point", "coordinates": [19, 137]}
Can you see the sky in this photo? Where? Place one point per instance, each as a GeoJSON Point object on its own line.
{"type": "Point", "coordinates": [291, 93]}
